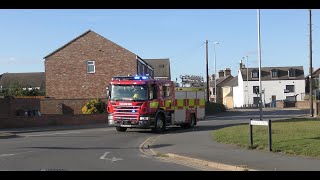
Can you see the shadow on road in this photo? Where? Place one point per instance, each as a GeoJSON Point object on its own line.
{"type": "Point", "coordinates": [175, 130]}
{"type": "Point", "coordinates": [90, 148]}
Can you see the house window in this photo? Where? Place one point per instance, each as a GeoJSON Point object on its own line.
{"type": "Point", "coordinates": [292, 72]}
{"type": "Point", "coordinates": [255, 74]}
{"type": "Point", "coordinates": [291, 98]}
{"type": "Point", "coordinates": [274, 73]}
{"type": "Point", "coordinates": [290, 88]}
{"type": "Point", "coordinates": [91, 67]}
{"type": "Point", "coordinates": [256, 89]}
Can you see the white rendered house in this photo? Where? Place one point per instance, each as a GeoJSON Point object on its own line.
{"type": "Point", "coordinates": [278, 83]}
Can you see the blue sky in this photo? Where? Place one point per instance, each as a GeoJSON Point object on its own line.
{"type": "Point", "coordinates": [29, 35]}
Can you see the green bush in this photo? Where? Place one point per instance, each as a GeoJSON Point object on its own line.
{"type": "Point", "coordinates": [212, 108]}
{"type": "Point", "coordinates": [94, 106]}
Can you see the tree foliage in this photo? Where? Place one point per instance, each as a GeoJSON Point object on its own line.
{"type": "Point", "coordinates": [95, 106]}
{"type": "Point", "coordinates": [16, 89]}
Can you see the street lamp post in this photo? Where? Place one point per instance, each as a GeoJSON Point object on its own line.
{"type": "Point", "coordinates": [259, 56]}
{"type": "Point", "coordinates": [215, 70]}
{"type": "Point", "coordinates": [247, 80]}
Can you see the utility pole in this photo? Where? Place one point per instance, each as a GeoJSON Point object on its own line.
{"type": "Point", "coordinates": [310, 68]}
{"type": "Point", "coordinates": [207, 69]}
{"type": "Point", "coordinates": [215, 70]}
{"type": "Point", "coordinates": [259, 56]}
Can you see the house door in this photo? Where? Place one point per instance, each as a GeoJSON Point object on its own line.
{"type": "Point", "coordinates": [274, 101]}
{"type": "Point", "coordinates": [256, 101]}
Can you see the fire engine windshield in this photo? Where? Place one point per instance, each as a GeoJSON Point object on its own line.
{"type": "Point", "coordinates": [129, 93]}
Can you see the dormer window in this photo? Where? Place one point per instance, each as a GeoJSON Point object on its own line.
{"type": "Point", "coordinates": [292, 72]}
{"type": "Point", "coordinates": [274, 73]}
{"type": "Point", "coordinates": [255, 74]}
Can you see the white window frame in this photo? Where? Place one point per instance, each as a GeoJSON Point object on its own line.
{"type": "Point", "coordinates": [253, 73]}
{"type": "Point", "coordinates": [274, 73]}
{"type": "Point", "coordinates": [293, 71]}
{"type": "Point", "coordinates": [94, 67]}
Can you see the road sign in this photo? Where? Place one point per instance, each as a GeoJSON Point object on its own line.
{"type": "Point", "coordinates": [259, 123]}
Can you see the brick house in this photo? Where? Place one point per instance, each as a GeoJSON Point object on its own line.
{"type": "Point", "coordinates": [224, 77]}
{"type": "Point", "coordinates": [83, 67]}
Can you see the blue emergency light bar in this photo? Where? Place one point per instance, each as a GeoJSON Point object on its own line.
{"type": "Point", "coordinates": [130, 77]}
{"type": "Point", "coordinates": [140, 77]}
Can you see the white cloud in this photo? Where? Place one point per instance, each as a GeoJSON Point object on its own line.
{"type": "Point", "coordinates": [16, 61]}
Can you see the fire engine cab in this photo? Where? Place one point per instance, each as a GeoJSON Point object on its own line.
{"type": "Point", "coordinates": [142, 102]}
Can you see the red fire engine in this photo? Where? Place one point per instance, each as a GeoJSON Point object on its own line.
{"type": "Point", "coordinates": [142, 102]}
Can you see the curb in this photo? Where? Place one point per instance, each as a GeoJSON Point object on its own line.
{"type": "Point", "coordinates": [209, 163]}
{"type": "Point", "coordinates": [187, 160]}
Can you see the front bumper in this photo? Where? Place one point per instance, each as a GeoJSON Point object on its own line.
{"type": "Point", "coordinates": [142, 124]}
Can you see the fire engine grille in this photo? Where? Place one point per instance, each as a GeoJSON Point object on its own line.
{"type": "Point", "coordinates": [126, 112]}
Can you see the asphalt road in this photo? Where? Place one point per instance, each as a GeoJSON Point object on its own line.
{"type": "Point", "coordinates": [105, 149]}
{"type": "Point", "coordinates": [99, 149]}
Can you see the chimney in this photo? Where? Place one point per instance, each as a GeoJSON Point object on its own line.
{"type": "Point", "coordinates": [227, 72]}
{"type": "Point", "coordinates": [221, 73]}
{"type": "Point", "coordinates": [213, 77]}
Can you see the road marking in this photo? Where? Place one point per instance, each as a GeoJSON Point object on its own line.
{"type": "Point", "coordinates": [113, 159]}
{"type": "Point", "coordinates": [63, 133]}
{"type": "Point", "coordinates": [4, 155]}
{"type": "Point", "coordinates": [51, 134]}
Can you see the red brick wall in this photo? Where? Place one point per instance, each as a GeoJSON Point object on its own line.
{"type": "Point", "coordinates": [10, 106]}
{"type": "Point", "coordinates": [36, 121]}
{"type": "Point", "coordinates": [66, 70]}
{"type": "Point", "coordinates": [63, 106]}
{"type": "Point", "coordinates": [4, 107]}
{"type": "Point", "coordinates": [25, 103]}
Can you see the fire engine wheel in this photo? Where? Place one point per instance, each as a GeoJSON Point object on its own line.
{"type": "Point", "coordinates": [191, 124]}
{"type": "Point", "coordinates": [192, 121]}
{"type": "Point", "coordinates": [121, 129]}
{"type": "Point", "coordinates": [159, 124]}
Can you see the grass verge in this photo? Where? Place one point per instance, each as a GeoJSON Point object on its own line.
{"type": "Point", "coordinates": [293, 136]}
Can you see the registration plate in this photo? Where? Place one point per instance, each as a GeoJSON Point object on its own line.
{"type": "Point", "coordinates": [125, 125]}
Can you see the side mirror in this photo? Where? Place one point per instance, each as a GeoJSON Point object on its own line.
{"type": "Point", "coordinates": [108, 92]}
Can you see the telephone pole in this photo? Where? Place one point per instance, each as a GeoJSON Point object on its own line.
{"type": "Point", "coordinates": [310, 67]}
{"type": "Point", "coordinates": [207, 69]}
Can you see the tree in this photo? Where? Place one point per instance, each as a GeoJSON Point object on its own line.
{"type": "Point", "coordinates": [15, 89]}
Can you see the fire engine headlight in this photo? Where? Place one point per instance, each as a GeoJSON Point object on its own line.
{"type": "Point", "coordinates": [110, 117]}
{"type": "Point", "coordinates": [144, 118]}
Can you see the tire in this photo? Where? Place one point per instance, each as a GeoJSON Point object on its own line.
{"type": "Point", "coordinates": [160, 125]}
{"type": "Point", "coordinates": [192, 121]}
{"type": "Point", "coordinates": [191, 124]}
{"type": "Point", "coordinates": [121, 129]}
